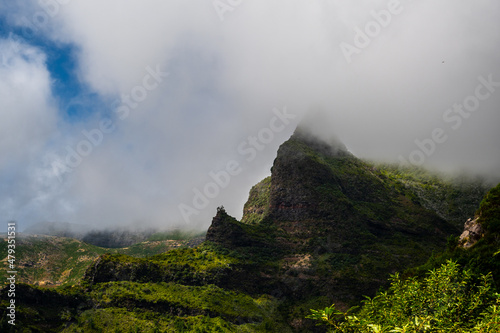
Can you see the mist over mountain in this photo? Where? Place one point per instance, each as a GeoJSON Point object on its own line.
{"type": "Point", "coordinates": [59, 229]}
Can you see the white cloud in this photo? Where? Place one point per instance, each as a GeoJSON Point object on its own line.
{"type": "Point", "coordinates": [28, 124]}
{"type": "Point", "coordinates": [28, 114]}
{"type": "Point", "coordinates": [224, 79]}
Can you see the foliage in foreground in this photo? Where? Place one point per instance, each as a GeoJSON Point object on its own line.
{"type": "Point", "coordinates": [448, 299]}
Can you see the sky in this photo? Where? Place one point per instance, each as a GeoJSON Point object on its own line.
{"type": "Point", "coordinates": [154, 113]}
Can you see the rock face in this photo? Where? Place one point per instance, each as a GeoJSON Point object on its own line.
{"type": "Point", "coordinates": [312, 179]}
{"type": "Point", "coordinates": [473, 231]}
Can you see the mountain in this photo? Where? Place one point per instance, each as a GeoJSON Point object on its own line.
{"type": "Point", "coordinates": [325, 227]}
{"type": "Point", "coordinates": [337, 226]}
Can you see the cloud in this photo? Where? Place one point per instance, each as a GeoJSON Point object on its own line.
{"type": "Point", "coordinates": [224, 80]}
{"type": "Point", "coordinates": [29, 122]}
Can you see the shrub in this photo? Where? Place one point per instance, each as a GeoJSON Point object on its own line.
{"type": "Point", "coordinates": [448, 299]}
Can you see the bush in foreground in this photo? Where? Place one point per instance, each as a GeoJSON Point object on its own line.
{"type": "Point", "coordinates": [448, 299]}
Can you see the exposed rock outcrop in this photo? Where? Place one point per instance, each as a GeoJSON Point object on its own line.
{"type": "Point", "coordinates": [473, 232]}
{"type": "Point", "coordinates": [486, 222]}
{"type": "Point", "coordinates": [225, 230]}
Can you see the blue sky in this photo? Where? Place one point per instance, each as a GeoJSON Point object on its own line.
{"type": "Point", "coordinates": [76, 100]}
{"type": "Point", "coordinates": [117, 112]}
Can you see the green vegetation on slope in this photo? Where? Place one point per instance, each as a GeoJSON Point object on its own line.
{"type": "Point", "coordinates": [50, 260]}
{"type": "Point", "coordinates": [440, 296]}
{"type": "Point", "coordinates": [482, 256]}
{"type": "Point", "coordinates": [257, 205]}
{"type": "Point", "coordinates": [123, 320]}
{"type": "Point", "coordinates": [126, 294]}
{"type": "Point", "coordinates": [452, 198]}
{"type": "Point", "coordinates": [164, 297]}
{"type": "Point", "coordinates": [193, 266]}
{"type": "Point", "coordinates": [143, 307]}
{"type": "Point", "coordinates": [489, 211]}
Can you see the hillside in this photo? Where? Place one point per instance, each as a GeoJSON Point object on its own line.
{"type": "Point", "coordinates": [59, 261]}
{"type": "Point", "coordinates": [481, 256]}
{"type": "Point", "coordinates": [455, 291]}
{"type": "Point", "coordinates": [325, 227]}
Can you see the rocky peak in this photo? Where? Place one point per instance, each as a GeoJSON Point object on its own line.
{"type": "Point", "coordinates": [227, 231]}
{"type": "Point", "coordinates": [331, 145]}
{"type": "Point", "coordinates": [315, 178]}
